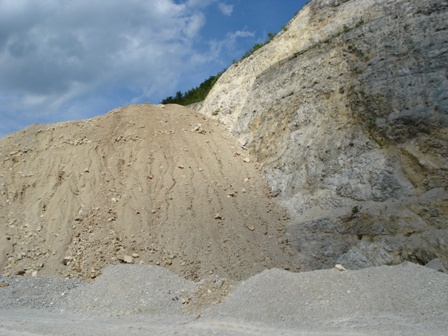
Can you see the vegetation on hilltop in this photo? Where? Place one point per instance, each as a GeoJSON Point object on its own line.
{"type": "Point", "coordinates": [257, 46]}
{"type": "Point", "coordinates": [193, 95]}
{"type": "Point", "coordinates": [199, 93]}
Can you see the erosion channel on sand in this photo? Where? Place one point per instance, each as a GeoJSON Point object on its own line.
{"type": "Point", "coordinates": [141, 184]}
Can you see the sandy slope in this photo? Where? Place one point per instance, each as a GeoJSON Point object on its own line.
{"type": "Point", "coordinates": [160, 183]}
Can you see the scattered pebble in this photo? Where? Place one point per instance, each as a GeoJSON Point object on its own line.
{"type": "Point", "coordinates": [339, 267]}
{"type": "Point", "coordinates": [128, 259]}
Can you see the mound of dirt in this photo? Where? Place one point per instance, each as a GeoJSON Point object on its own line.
{"type": "Point", "coordinates": [386, 299]}
{"type": "Point", "coordinates": [142, 184]}
{"type": "Point", "coordinates": [136, 289]}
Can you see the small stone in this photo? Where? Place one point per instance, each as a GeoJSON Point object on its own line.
{"type": "Point", "coordinates": [128, 259]}
{"type": "Point", "coordinates": [4, 284]}
{"type": "Point", "coordinates": [438, 265]}
{"type": "Point", "coordinates": [181, 166]}
{"type": "Point", "coordinates": [339, 267]}
{"type": "Point", "coordinates": [247, 160]}
{"type": "Point", "coordinates": [185, 301]}
{"type": "Point", "coordinates": [34, 274]}
{"type": "Point", "coordinates": [198, 128]}
{"type": "Point", "coordinates": [251, 227]}
{"type": "Point", "coordinates": [67, 260]}
{"type": "Point", "coordinates": [218, 216]}
{"type": "Point", "coordinates": [135, 255]}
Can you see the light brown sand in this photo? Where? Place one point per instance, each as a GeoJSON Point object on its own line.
{"type": "Point", "coordinates": [162, 185]}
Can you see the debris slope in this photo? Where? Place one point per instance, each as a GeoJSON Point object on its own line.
{"type": "Point", "coordinates": [141, 184]}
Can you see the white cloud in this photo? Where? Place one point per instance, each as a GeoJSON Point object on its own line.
{"type": "Point", "coordinates": [56, 53]}
{"type": "Point", "coordinates": [229, 43]}
{"type": "Point", "coordinates": [241, 33]}
{"type": "Point", "coordinates": [194, 24]}
{"type": "Point", "coordinates": [199, 3]}
{"type": "Point", "coordinates": [226, 9]}
{"type": "Point", "coordinates": [62, 60]}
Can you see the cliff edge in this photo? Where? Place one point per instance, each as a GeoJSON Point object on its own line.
{"type": "Point", "coordinates": [347, 111]}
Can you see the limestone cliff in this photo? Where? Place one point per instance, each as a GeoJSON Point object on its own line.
{"type": "Point", "coordinates": [347, 111]}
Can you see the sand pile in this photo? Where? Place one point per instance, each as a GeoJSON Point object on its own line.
{"type": "Point", "coordinates": [141, 184]}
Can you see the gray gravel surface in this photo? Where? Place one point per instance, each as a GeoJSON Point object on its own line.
{"type": "Point", "coordinates": [35, 293]}
{"type": "Point", "coordinates": [147, 300]}
{"type": "Point", "coordinates": [408, 299]}
{"type": "Point", "coordinates": [126, 290]}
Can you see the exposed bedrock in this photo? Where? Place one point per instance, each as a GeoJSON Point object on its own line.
{"type": "Point", "coordinates": [347, 111]}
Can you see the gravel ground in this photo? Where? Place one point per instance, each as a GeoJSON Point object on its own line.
{"type": "Point", "coordinates": [130, 290]}
{"type": "Point", "coordinates": [35, 293]}
{"type": "Point", "coordinates": [148, 300]}
{"type": "Point", "coordinates": [404, 299]}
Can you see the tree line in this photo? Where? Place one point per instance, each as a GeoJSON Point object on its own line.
{"type": "Point", "coordinates": [199, 93]}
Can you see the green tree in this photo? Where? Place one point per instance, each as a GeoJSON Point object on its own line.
{"type": "Point", "coordinates": [193, 95]}
{"type": "Point", "coordinates": [199, 93]}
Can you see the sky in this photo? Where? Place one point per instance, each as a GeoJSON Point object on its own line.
{"type": "Point", "coordinates": [68, 60]}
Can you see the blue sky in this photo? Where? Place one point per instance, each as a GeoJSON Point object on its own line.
{"type": "Point", "coordinates": [66, 60]}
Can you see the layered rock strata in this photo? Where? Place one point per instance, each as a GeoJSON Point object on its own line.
{"type": "Point", "coordinates": [347, 111]}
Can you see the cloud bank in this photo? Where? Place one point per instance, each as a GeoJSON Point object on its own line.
{"type": "Point", "coordinates": [63, 60]}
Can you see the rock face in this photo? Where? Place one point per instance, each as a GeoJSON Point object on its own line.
{"type": "Point", "coordinates": [347, 111]}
